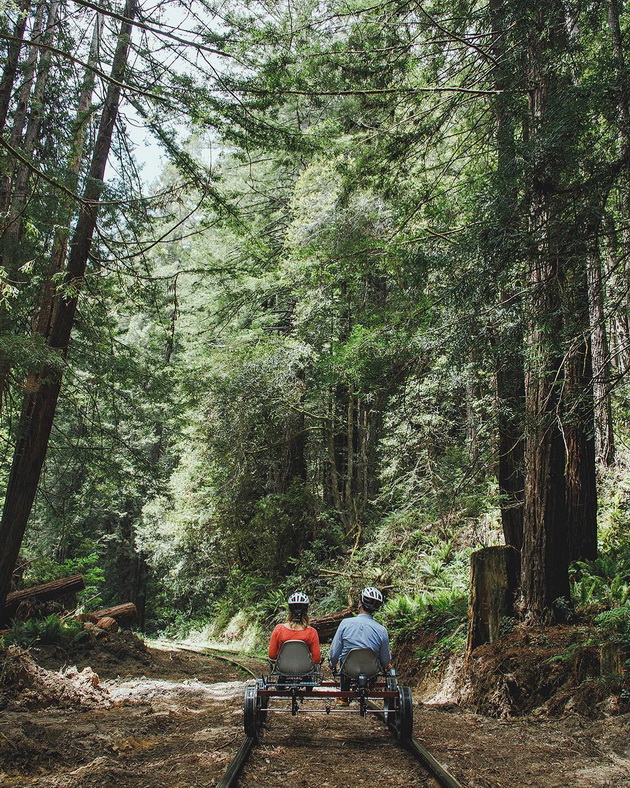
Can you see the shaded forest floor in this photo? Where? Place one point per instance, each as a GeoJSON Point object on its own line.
{"type": "Point", "coordinates": [146, 717]}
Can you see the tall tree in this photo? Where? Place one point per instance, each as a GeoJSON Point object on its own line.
{"type": "Point", "coordinates": [42, 388]}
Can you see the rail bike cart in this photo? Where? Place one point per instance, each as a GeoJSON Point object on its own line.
{"type": "Point", "coordinates": [296, 679]}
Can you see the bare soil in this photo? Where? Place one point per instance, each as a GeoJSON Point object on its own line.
{"type": "Point", "coordinates": [155, 717]}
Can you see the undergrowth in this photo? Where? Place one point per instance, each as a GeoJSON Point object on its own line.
{"type": "Point", "coordinates": [45, 631]}
{"type": "Point", "coordinates": [441, 614]}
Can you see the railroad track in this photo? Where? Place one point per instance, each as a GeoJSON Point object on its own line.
{"type": "Point", "coordinates": [232, 773]}
{"type": "Point", "coordinates": [413, 746]}
{"type": "Point", "coordinates": [215, 654]}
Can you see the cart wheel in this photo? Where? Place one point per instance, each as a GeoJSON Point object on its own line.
{"type": "Point", "coordinates": [263, 704]}
{"type": "Point", "coordinates": [251, 712]}
{"type": "Point", "coordinates": [389, 706]}
{"type": "Point", "coordinates": [404, 714]}
{"type": "Point", "coordinates": [263, 701]}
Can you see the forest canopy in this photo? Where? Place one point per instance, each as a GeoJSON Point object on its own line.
{"type": "Point", "coordinates": [369, 314]}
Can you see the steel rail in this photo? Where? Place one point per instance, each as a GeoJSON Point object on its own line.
{"type": "Point", "coordinates": [435, 767]}
{"type": "Point", "coordinates": [424, 756]}
{"type": "Point", "coordinates": [230, 778]}
{"type": "Point", "coordinates": [232, 773]}
{"type": "Point", "coordinates": [208, 652]}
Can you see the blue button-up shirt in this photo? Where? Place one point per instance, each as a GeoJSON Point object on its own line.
{"type": "Point", "coordinates": [362, 631]}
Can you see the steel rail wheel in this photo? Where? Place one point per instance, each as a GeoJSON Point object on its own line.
{"type": "Point", "coordinates": [252, 717]}
{"type": "Point", "coordinates": [404, 714]}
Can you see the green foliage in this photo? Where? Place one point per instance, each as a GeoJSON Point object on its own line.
{"type": "Point", "coordinates": [441, 612]}
{"type": "Point", "coordinates": [437, 617]}
{"type": "Point", "coordinates": [304, 376]}
{"type": "Point", "coordinates": [613, 625]}
{"type": "Point", "coordinates": [44, 569]}
{"type": "Point", "coordinates": [46, 631]}
{"type": "Point", "coordinates": [603, 582]}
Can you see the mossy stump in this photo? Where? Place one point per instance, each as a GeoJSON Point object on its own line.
{"type": "Point", "coordinates": [491, 593]}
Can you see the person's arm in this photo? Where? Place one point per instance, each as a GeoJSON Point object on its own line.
{"type": "Point", "coordinates": [274, 644]}
{"type": "Point", "coordinates": [335, 647]}
{"type": "Point", "coordinates": [385, 654]}
{"type": "Point", "coordinates": [316, 652]}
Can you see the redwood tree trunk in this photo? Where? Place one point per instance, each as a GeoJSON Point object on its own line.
{"type": "Point", "coordinates": [544, 558]}
{"type": "Point", "coordinates": [600, 351]}
{"type": "Point", "coordinates": [28, 140]}
{"type": "Point", "coordinates": [578, 424]}
{"type": "Point", "coordinates": [510, 379]}
{"type": "Point", "coordinates": [42, 389]}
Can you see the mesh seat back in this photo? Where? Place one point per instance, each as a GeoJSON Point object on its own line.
{"type": "Point", "coordinates": [294, 659]}
{"type": "Point", "coordinates": [361, 660]}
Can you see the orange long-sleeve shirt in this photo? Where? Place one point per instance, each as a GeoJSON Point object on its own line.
{"type": "Point", "coordinates": [283, 633]}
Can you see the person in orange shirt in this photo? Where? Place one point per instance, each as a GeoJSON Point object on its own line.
{"type": "Point", "coordinates": [296, 627]}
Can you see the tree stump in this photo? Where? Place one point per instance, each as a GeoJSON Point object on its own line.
{"type": "Point", "coordinates": [612, 659]}
{"type": "Point", "coordinates": [492, 593]}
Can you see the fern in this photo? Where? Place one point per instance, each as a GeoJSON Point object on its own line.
{"type": "Point", "coordinates": [614, 625]}
{"type": "Point", "coordinates": [47, 631]}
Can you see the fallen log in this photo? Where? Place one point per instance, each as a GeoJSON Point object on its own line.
{"type": "Point", "coordinates": [326, 626]}
{"type": "Point", "coordinates": [126, 612]}
{"type": "Point", "coordinates": [43, 592]}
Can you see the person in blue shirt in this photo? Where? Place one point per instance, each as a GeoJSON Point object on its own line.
{"type": "Point", "coordinates": [362, 631]}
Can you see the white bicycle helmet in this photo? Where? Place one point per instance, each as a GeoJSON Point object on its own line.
{"type": "Point", "coordinates": [371, 599]}
{"type": "Point", "coordinates": [298, 601]}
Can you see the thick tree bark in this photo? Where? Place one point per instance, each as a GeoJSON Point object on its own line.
{"type": "Point", "coordinates": [578, 410]}
{"type": "Point", "coordinates": [544, 558]}
{"type": "Point", "coordinates": [600, 351]}
{"type": "Point", "coordinates": [125, 612]}
{"type": "Point", "coordinates": [42, 389]}
{"type": "Point", "coordinates": [41, 320]}
{"type": "Point", "coordinates": [509, 362]}
{"type": "Point", "coordinates": [578, 427]}
{"type": "Point", "coordinates": [19, 121]}
{"type": "Point", "coordinates": [11, 64]}
{"type": "Point", "coordinates": [27, 141]}
{"type": "Point", "coordinates": [511, 398]}
{"type": "Point", "coordinates": [616, 294]}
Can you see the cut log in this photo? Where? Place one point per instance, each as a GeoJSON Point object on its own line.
{"type": "Point", "coordinates": [53, 590]}
{"type": "Point", "coordinates": [126, 612]}
{"type": "Point", "coordinates": [491, 593]}
{"type": "Point", "coordinates": [108, 623]}
{"type": "Point", "coordinates": [326, 626]}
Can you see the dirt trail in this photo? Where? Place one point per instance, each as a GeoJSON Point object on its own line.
{"type": "Point", "coordinates": [174, 719]}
